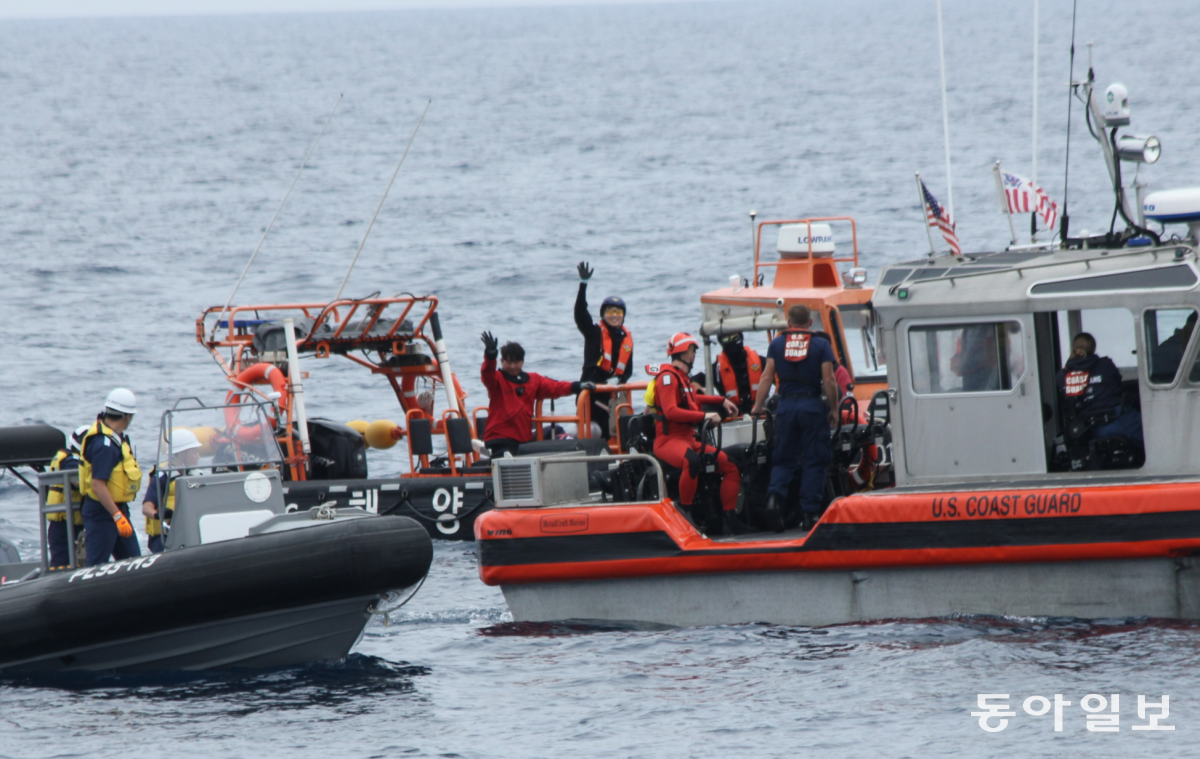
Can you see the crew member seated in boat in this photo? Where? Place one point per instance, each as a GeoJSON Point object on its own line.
{"type": "Point", "coordinates": [56, 530]}
{"type": "Point", "coordinates": [607, 346]}
{"type": "Point", "coordinates": [736, 372]}
{"type": "Point", "coordinates": [1169, 354]}
{"type": "Point", "coordinates": [677, 409]}
{"type": "Point", "coordinates": [512, 394]}
{"type": "Point", "coordinates": [804, 364]}
{"type": "Point", "coordinates": [1090, 386]}
{"type": "Point", "coordinates": [109, 479]}
{"type": "Point", "coordinates": [185, 453]}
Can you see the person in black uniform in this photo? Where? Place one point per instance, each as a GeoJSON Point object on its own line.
{"type": "Point", "coordinates": [804, 363]}
{"type": "Point", "coordinates": [607, 345]}
{"type": "Point", "coordinates": [1090, 387]}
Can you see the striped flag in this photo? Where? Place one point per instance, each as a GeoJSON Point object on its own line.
{"type": "Point", "coordinates": [937, 216]}
{"type": "Point", "coordinates": [1023, 197]}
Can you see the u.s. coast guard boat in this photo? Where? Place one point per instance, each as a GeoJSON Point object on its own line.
{"type": "Point", "coordinates": [1004, 501]}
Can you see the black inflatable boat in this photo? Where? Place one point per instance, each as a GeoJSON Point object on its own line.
{"type": "Point", "coordinates": [281, 598]}
{"type": "Point", "coordinates": [245, 581]}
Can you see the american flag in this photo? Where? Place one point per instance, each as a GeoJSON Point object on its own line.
{"type": "Point", "coordinates": [1023, 197]}
{"type": "Point", "coordinates": [936, 216]}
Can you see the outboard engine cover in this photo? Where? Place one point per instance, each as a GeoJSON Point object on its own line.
{"type": "Point", "coordinates": [338, 452]}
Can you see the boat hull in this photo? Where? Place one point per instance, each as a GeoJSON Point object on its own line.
{"type": "Point", "coordinates": [1085, 551]}
{"type": "Point", "coordinates": [446, 507]}
{"type": "Point", "coordinates": [276, 599]}
{"type": "Point", "coordinates": [1167, 588]}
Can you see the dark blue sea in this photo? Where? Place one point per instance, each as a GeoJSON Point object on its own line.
{"type": "Point", "coordinates": [141, 159]}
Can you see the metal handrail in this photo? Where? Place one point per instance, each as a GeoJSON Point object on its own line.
{"type": "Point", "coordinates": [1020, 270]}
{"type": "Point", "coordinates": [67, 478]}
{"type": "Point", "coordinates": [809, 259]}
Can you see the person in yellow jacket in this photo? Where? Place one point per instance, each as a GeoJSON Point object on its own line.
{"type": "Point", "coordinates": [185, 453]}
{"type": "Point", "coordinates": [109, 479]}
{"type": "Point", "coordinates": [56, 528]}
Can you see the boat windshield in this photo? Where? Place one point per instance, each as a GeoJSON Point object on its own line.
{"type": "Point", "coordinates": [866, 354]}
{"type": "Point", "coordinates": [230, 438]}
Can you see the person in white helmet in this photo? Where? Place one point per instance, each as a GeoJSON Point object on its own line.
{"type": "Point", "coordinates": [56, 530]}
{"type": "Point", "coordinates": [185, 453]}
{"type": "Point", "coordinates": [109, 479]}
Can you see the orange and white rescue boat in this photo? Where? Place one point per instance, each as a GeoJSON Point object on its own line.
{"type": "Point", "coordinates": [1003, 496]}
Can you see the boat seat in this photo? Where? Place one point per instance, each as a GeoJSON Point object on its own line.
{"type": "Point", "coordinates": [1115, 452]}
{"type": "Point", "coordinates": [458, 435]}
{"type": "Point", "coordinates": [639, 433]}
{"type": "Point", "coordinates": [437, 469]}
{"type": "Point", "coordinates": [420, 437]}
{"type": "Point", "coordinates": [223, 506]}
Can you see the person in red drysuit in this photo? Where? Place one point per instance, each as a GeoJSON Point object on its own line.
{"type": "Point", "coordinates": [677, 410]}
{"type": "Point", "coordinates": [512, 394]}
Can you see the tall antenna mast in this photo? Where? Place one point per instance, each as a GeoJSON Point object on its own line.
{"type": "Point", "coordinates": [1036, 31]}
{"type": "Point", "coordinates": [1065, 223]}
{"type": "Point", "coordinates": [385, 194]}
{"type": "Point", "coordinates": [945, 113]}
{"type": "Point", "coordinates": [267, 231]}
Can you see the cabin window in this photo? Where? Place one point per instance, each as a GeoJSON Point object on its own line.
{"type": "Point", "coordinates": [1168, 331]}
{"type": "Point", "coordinates": [858, 325]}
{"type": "Point", "coordinates": [1098, 428]}
{"type": "Point", "coordinates": [1113, 328]}
{"type": "Point", "coordinates": [1175, 277]}
{"type": "Point", "coordinates": [966, 358]}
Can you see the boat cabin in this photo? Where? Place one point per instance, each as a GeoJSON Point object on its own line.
{"type": "Point", "coordinates": [804, 271]}
{"type": "Point", "coordinates": [975, 345]}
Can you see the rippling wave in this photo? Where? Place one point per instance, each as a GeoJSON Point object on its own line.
{"type": "Point", "coordinates": [143, 158]}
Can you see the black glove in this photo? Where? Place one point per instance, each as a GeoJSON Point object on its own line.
{"type": "Point", "coordinates": [491, 346]}
{"type": "Point", "coordinates": [578, 386]}
{"type": "Point", "coordinates": [585, 271]}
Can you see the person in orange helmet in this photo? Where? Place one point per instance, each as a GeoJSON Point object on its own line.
{"type": "Point", "coordinates": [677, 409]}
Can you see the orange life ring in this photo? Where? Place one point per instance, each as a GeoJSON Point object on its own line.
{"type": "Point", "coordinates": [862, 473]}
{"type": "Point", "coordinates": [408, 389]}
{"type": "Point", "coordinates": [257, 374]}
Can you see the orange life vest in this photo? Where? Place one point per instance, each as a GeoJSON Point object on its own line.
{"type": "Point", "coordinates": [729, 377]}
{"type": "Point", "coordinates": [606, 351]}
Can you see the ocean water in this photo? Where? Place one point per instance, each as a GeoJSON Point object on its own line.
{"type": "Point", "coordinates": [142, 158]}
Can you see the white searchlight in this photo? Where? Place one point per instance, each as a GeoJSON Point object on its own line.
{"type": "Point", "coordinates": [1138, 149]}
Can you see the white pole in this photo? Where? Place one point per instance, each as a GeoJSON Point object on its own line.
{"type": "Point", "coordinates": [443, 359]}
{"type": "Point", "coordinates": [1036, 30]}
{"type": "Point", "coordinates": [1004, 201]}
{"type": "Point", "coordinates": [925, 216]}
{"type": "Point", "coordinates": [945, 115]}
{"type": "Point", "coordinates": [296, 386]}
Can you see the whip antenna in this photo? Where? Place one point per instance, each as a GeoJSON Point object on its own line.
{"type": "Point", "coordinates": [1065, 223]}
{"type": "Point", "coordinates": [385, 194]}
{"type": "Point", "coordinates": [273, 218]}
{"type": "Point", "coordinates": [945, 113]}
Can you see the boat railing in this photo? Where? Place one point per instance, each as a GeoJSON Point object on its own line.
{"type": "Point", "coordinates": [806, 261]}
{"type": "Point", "coordinates": [582, 419]}
{"type": "Point", "coordinates": [67, 479]}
